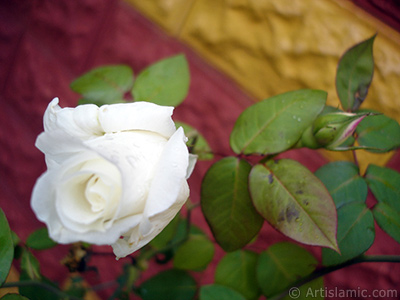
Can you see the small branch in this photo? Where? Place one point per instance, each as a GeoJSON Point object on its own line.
{"type": "Point", "coordinates": [355, 157]}
{"type": "Point", "coordinates": [326, 270]}
{"type": "Point", "coordinates": [50, 288]}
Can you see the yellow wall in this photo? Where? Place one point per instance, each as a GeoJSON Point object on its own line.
{"type": "Point", "coordinates": [269, 47]}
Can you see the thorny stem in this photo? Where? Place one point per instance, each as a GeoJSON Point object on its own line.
{"type": "Point", "coordinates": [43, 285]}
{"type": "Point", "coordinates": [326, 270]}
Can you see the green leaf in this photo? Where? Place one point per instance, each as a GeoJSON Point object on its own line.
{"type": "Point", "coordinates": [169, 285]}
{"type": "Point", "coordinates": [195, 254]}
{"type": "Point", "coordinates": [6, 247]}
{"type": "Point", "coordinates": [36, 292]}
{"type": "Point", "coordinates": [379, 132]}
{"type": "Point", "coordinates": [281, 265]}
{"type": "Point", "coordinates": [343, 181]}
{"type": "Point", "coordinates": [226, 203]}
{"type": "Point", "coordinates": [355, 235]}
{"type": "Point", "coordinates": [165, 236]}
{"type": "Point", "coordinates": [237, 270]}
{"type": "Point", "coordinates": [165, 82]}
{"type": "Point", "coordinates": [388, 219]}
{"type": "Point", "coordinates": [40, 240]}
{"type": "Point", "coordinates": [15, 238]}
{"type": "Point", "coordinates": [197, 143]}
{"type": "Point", "coordinates": [385, 185]}
{"type": "Point", "coordinates": [104, 85]}
{"type": "Point", "coordinates": [354, 74]}
{"type": "Point", "coordinates": [294, 201]}
{"type": "Point", "coordinates": [219, 292]}
{"type": "Point", "coordinates": [276, 124]}
{"type": "Point", "coordinates": [30, 265]}
{"type": "Point", "coordinates": [13, 297]}
{"type": "Point", "coordinates": [30, 270]}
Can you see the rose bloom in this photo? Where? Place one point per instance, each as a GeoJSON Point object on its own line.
{"type": "Point", "coordinates": [116, 174]}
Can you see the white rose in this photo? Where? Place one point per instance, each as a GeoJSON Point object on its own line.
{"type": "Point", "coordinates": [116, 175]}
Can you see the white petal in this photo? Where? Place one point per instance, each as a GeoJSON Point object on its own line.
{"type": "Point", "coordinates": [137, 116]}
{"type": "Point", "coordinates": [43, 204]}
{"type": "Point", "coordinates": [169, 175]}
{"type": "Point", "coordinates": [133, 240]}
{"type": "Point", "coordinates": [75, 209]}
{"type": "Point", "coordinates": [192, 163]}
{"type": "Point", "coordinates": [49, 118]}
{"type": "Point", "coordinates": [58, 147]}
{"type": "Point", "coordinates": [136, 154]}
{"type": "Point", "coordinates": [81, 122]}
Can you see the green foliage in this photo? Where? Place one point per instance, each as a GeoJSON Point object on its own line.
{"type": "Point", "coordinates": [380, 133]}
{"type": "Point", "coordinates": [354, 74]}
{"type": "Point", "coordinates": [165, 82]}
{"type": "Point", "coordinates": [343, 181]}
{"type": "Point", "coordinates": [167, 234]}
{"type": "Point", "coordinates": [104, 85]}
{"type": "Point", "coordinates": [30, 265]}
{"type": "Point", "coordinates": [276, 124]}
{"type": "Point", "coordinates": [281, 265]}
{"type": "Point", "coordinates": [196, 143]}
{"type": "Point", "coordinates": [37, 291]}
{"type": "Point", "coordinates": [385, 185]}
{"type": "Point", "coordinates": [6, 247]}
{"type": "Point", "coordinates": [169, 285]}
{"type": "Point", "coordinates": [305, 211]}
{"type": "Point", "coordinates": [195, 254]}
{"type": "Point", "coordinates": [30, 270]}
{"type": "Point", "coordinates": [226, 203]}
{"type": "Point", "coordinates": [355, 235]}
{"type": "Point", "coordinates": [219, 292]}
{"type": "Point", "coordinates": [40, 240]}
{"type": "Point", "coordinates": [388, 219]}
{"type": "Point", "coordinates": [237, 270]}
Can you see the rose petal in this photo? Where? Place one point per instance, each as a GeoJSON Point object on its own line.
{"type": "Point", "coordinates": [136, 154]}
{"type": "Point", "coordinates": [43, 205]}
{"type": "Point", "coordinates": [192, 163]}
{"type": "Point", "coordinates": [169, 175]}
{"type": "Point", "coordinates": [58, 147]}
{"type": "Point", "coordinates": [73, 207]}
{"type": "Point", "coordinates": [81, 122]}
{"type": "Point", "coordinates": [137, 116]}
{"type": "Point", "coordinates": [133, 240]}
{"type": "Point", "coordinates": [169, 184]}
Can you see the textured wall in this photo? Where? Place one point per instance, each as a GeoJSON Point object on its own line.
{"type": "Point", "coordinates": [269, 47]}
